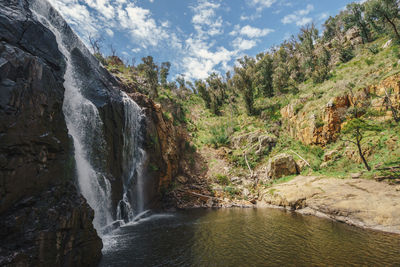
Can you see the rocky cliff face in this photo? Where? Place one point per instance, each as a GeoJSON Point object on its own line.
{"type": "Point", "coordinates": [311, 130]}
{"type": "Point", "coordinates": [44, 220]}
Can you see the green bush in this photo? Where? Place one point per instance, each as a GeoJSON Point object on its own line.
{"type": "Point", "coordinates": [374, 49]}
{"type": "Point", "coordinates": [232, 191]}
{"type": "Point", "coordinates": [346, 54]}
{"type": "Point", "coordinates": [222, 179]}
{"type": "Point", "coordinates": [369, 61]}
{"type": "Point", "coordinates": [220, 135]}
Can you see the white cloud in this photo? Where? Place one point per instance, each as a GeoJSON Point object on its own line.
{"type": "Point", "coordinates": [109, 32]}
{"type": "Point", "coordinates": [103, 7]}
{"type": "Point", "coordinates": [77, 15]}
{"type": "Point", "coordinates": [299, 17]}
{"type": "Point", "coordinates": [261, 4]}
{"type": "Point", "coordinates": [253, 32]}
{"type": "Point", "coordinates": [205, 20]}
{"type": "Point", "coordinates": [241, 44]}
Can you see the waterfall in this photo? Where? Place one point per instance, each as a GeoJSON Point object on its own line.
{"type": "Point", "coordinates": [86, 128]}
{"type": "Point", "coordinates": [134, 157]}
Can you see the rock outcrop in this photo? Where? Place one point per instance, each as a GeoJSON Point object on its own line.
{"type": "Point", "coordinates": [281, 165]}
{"type": "Point", "coordinates": [312, 129]}
{"type": "Point", "coordinates": [360, 202]}
{"type": "Point", "coordinates": [43, 219]}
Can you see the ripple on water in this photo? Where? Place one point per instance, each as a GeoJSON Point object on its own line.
{"type": "Point", "coordinates": [246, 237]}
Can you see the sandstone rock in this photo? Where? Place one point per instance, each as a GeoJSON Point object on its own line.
{"type": "Point", "coordinates": [245, 192]}
{"type": "Point", "coordinates": [281, 165]}
{"type": "Point", "coordinates": [182, 179]}
{"type": "Point", "coordinates": [303, 126]}
{"type": "Point", "coordinates": [355, 175]}
{"type": "Point", "coordinates": [301, 165]}
{"type": "Point", "coordinates": [236, 180]}
{"type": "Point", "coordinates": [387, 44]}
{"type": "Point", "coordinates": [266, 143]}
{"type": "Point", "coordinates": [360, 202]}
{"type": "Point", "coordinates": [330, 155]}
{"type": "Point", "coordinates": [324, 165]}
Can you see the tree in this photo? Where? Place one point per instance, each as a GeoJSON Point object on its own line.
{"type": "Point", "coordinates": [384, 12]}
{"type": "Point", "coordinates": [164, 72]}
{"type": "Point", "coordinates": [322, 69]}
{"type": "Point", "coordinates": [356, 129]}
{"type": "Point", "coordinates": [96, 42]}
{"type": "Point", "coordinates": [308, 37]}
{"type": "Point", "coordinates": [262, 80]}
{"type": "Point", "coordinates": [243, 81]}
{"type": "Point", "coordinates": [355, 18]}
{"type": "Point", "coordinates": [150, 71]}
{"type": "Point", "coordinates": [201, 87]}
{"type": "Point", "coordinates": [216, 90]}
{"type": "Point", "coordinates": [281, 75]}
{"type": "Point", "coordinates": [389, 105]}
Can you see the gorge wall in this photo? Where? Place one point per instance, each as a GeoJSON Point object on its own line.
{"type": "Point", "coordinates": [44, 219]}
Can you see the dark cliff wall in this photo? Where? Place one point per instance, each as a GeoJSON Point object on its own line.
{"type": "Point", "coordinates": [43, 219]}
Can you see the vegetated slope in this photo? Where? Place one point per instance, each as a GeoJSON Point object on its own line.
{"type": "Point", "coordinates": [330, 101]}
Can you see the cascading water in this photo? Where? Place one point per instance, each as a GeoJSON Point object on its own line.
{"type": "Point", "coordinates": [134, 157]}
{"type": "Point", "coordinates": [84, 125]}
{"type": "Point", "coordinates": [86, 128]}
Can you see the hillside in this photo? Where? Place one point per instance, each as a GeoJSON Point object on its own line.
{"type": "Point", "coordinates": [317, 105]}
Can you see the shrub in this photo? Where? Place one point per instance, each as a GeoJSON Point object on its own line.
{"type": "Point", "coordinates": [374, 49]}
{"type": "Point", "coordinates": [222, 179]}
{"type": "Point", "coordinates": [319, 123]}
{"type": "Point", "coordinates": [220, 134]}
{"type": "Point", "coordinates": [346, 54]}
{"type": "Point", "coordinates": [298, 107]}
{"type": "Point", "coordinates": [369, 61]}
{"type": "Point", "coordinates": [232, 191]}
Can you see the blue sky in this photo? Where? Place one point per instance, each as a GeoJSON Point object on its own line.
{"type": "Point", "coordinates": [196, 36]}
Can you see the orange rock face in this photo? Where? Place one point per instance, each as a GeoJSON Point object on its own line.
{"type": "Point", "coordinates": [310, 130]}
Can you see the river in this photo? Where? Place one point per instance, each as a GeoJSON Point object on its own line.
{"type": "Point", "coordinates": [247, 237]}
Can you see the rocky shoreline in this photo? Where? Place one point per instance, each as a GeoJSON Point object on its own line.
{"type": "Point", "coordinates": [363, 203]}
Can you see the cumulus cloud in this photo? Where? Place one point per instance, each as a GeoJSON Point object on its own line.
{"type": "Point", "coordinates": [261, 4]}
{"type": "Point", "coordinates": [205, 20]}
{"type": "Point", "coordinates": [105, 14]}
{"type": "Point", "coordinates": [253, 32]}
{"type": "Point", "coordinates": [241, 44]}
{"type": "Point", "coordinates": [299, 17]}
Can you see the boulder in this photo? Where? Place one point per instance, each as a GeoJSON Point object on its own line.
{"type": "Point", "coordinates": [182, 179]}
{"type": "Point", "coordinates": [281, 165]}
{"type": "Point", "coordinates": [330, 155]}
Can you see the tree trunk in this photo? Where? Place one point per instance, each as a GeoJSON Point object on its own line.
{"type": "Point", "coordinates": [362, 155]}
{"type": "Point", "coordinates": [390, 105]}
{"type": "Point", "coordinates": [394, 27]}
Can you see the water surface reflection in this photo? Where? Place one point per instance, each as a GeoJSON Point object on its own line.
{"type": "Point", "coordinates": [247, 237]}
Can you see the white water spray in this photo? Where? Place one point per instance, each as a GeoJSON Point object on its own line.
{"type": "Point", "coordinates": [84, 125]}
{"type": "Point", "coordinates": [133, 160]}
{"type": "Point", "coordinates": [86, 128]}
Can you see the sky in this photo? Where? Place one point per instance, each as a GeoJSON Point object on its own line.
{"type": "Point", "coordinates": [197, 37]}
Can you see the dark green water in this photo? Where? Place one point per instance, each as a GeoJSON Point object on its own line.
{"type": "Point", "coordinates": [247, 237]}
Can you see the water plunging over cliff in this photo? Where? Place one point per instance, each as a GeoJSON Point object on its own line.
{"type": "Point", "coordinates": [86, 128]}
{"type": "Point", "coordinates": [133, 159]}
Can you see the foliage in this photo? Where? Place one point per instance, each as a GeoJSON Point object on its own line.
{"type": "Point", "coordinates": [222, 179]}
{"type": "Point", "coordinates": [382, 14]}
{"type": "Point", "coordinates": [243, 82]}
{"type": "Point", "coordinates": [219, 135]}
